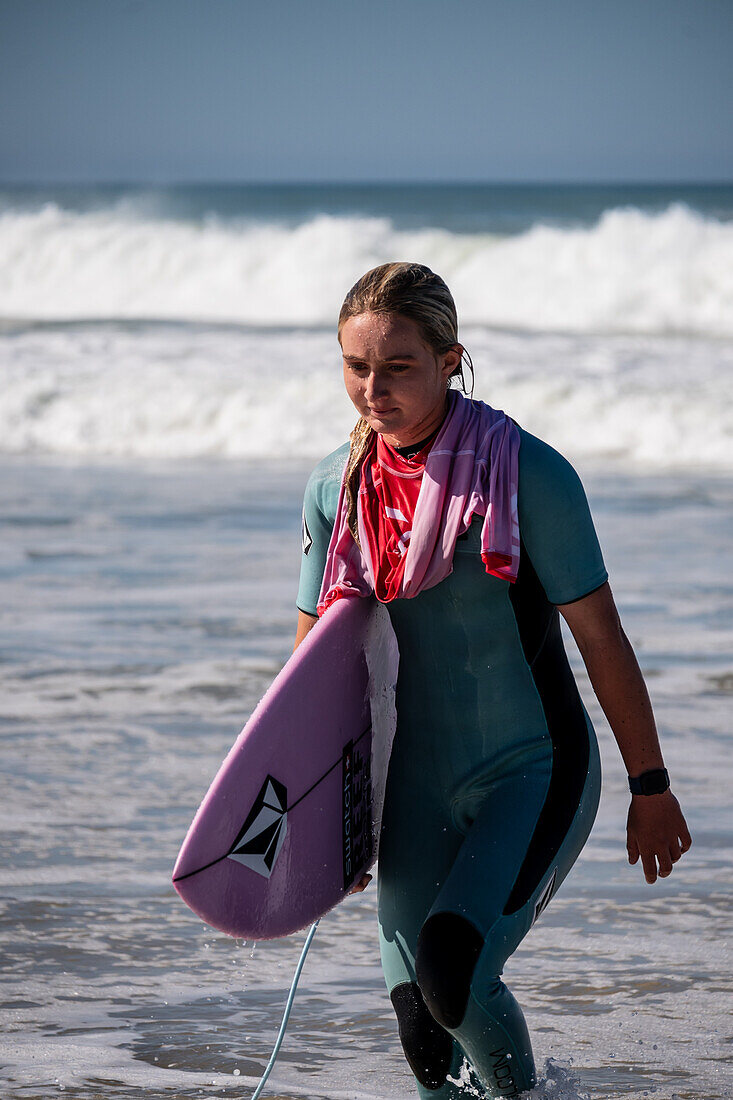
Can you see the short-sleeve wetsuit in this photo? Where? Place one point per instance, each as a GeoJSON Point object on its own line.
{"type": "Point", "coordinates": [494, 778]}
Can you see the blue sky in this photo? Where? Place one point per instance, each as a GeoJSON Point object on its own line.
{"type": "Point", "coordinates": [199, 90]}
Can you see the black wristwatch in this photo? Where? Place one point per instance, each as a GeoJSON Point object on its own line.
{"type": "Point", "coordinates": [655, 781]}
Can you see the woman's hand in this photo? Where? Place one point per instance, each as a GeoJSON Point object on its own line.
{"type": "Point", "coordinates": [656, 831]}
{"type": "Point", "coordinates": [361, 885]}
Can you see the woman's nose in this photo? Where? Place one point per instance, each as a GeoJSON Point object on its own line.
{"type": "Point", "coordinates": [377, 386]}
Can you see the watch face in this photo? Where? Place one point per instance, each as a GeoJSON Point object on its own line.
{"type": "Point", "coordinates": [656, 783]}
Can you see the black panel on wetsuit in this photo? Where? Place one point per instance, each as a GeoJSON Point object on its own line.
{"type": "Point", "coordinates": [448, 948]}
{"type": "Point", "coordinates": [428, 1048]}
{"type": "Point", "coordinates": [538, 622]}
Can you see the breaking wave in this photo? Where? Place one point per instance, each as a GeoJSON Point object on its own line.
{"type": "Point", "coordinates": [669, 272]}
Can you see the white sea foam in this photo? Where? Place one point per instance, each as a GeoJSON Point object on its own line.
{"type": "Point", "coordinates": [176, 391]}
{"type": "Point", "coordinates": [666, 272]}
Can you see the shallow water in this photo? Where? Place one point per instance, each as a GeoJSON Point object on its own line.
{"type": "Point", "coordinates": [144, 608]}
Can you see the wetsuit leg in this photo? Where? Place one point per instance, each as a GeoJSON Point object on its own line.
{"type": "Point", "coordinates": [413, 864]}
{"type": "Point", "coordinates": [476, 923]}
{"type": "Point", "coordinates": [451, 914]}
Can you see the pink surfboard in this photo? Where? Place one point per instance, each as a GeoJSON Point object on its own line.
{"type": "Point", "coordinates": [292, 817]}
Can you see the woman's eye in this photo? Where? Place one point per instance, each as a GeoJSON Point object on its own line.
{"type": "Point", "coordinates": [394, 368]}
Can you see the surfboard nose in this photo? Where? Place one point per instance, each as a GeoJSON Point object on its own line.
{"type": "Point", "coordinates": [195, 856]}
{"type": "Point", "coordinates": [255, 842]}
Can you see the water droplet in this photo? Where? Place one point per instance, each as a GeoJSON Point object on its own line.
{"type": "Point", "coordinates": [236, 1072]}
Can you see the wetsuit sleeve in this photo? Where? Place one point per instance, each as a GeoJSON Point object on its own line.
{"type": "Point", "coordinates": [319, 513]}
{"type": "Point", "coordinates": [555, 524]}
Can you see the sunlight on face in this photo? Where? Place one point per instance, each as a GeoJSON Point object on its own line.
{"type": "Point", "coordinates": [397, 383]}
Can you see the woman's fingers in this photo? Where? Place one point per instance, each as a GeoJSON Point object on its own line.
{"type": "Point", "coordinates": [632, 848]}
{"type": "Point", "coordinates": [656, 831]}
{"type": "Point", "coordinates": [360, 885]}
{"type": "Point", "coordinates": [665, 864]}
{"type": "Point", "coordinates": [649, 863]}
{"type": "Point", "coordinates": [658, 861]}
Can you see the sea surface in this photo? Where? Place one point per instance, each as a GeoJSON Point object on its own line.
{"type": "Point", "coordinates": [170, 376]}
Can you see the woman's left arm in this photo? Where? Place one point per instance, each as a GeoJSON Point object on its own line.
{"type": "Point", "coordinates": [656, 829]}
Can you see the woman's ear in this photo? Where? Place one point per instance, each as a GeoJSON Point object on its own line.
{"type": "Point", "coordinates": [452, 361]}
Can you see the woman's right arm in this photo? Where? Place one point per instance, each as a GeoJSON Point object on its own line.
{"type": "Point", "coordinates": [305, 625]}
{"type": "Point", "coordinates": [319, 509]}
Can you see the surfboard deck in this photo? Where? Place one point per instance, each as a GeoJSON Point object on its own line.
{"type": "Point", "coordinates": [292, 817]}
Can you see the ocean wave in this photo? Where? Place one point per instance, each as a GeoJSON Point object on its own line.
{"type": "Point", "coordinates": [631, 272]}
{"type": "Point", "coordinates": [177, 391]}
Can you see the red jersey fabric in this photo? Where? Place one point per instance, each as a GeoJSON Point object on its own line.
{"type": "Point", "coordinates": [390, 486]}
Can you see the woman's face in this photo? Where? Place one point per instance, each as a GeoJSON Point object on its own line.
{"type": "Point", "coordinates": [395, 380]}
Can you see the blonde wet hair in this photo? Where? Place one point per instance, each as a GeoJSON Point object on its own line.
{"type": "Point", "coordinates": [410, 290]}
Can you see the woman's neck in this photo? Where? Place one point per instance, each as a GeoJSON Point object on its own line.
{"type": "Point", "coordinates": [422, 433]}
{"type": "Point", "coordinates": [414, 448]}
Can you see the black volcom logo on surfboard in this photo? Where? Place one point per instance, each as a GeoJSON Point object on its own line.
{"type": "Point", "coordinates": [261, 837]}
{"type": "Point", "coordinates": [356, 817]}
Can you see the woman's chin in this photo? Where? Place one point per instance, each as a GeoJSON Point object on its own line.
{"type": "Point", "coordinates": [385, 425]}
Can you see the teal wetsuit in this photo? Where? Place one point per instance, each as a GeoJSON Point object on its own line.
{"type": "Point", "coordinates": [494, 778]}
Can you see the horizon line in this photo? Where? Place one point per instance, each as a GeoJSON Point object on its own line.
{"type": "Point", "coordinates": [421, 182]}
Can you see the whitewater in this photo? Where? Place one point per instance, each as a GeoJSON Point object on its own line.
{"type": "Point", "coordinates": [131, 331]}
{"type": "Point", "coordinates": [664, 273]}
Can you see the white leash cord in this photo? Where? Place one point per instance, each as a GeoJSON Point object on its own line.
{"type": "Point", "coordinates": [286, 1015]}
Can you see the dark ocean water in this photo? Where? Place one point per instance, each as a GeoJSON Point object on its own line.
{"type": "Point", "coordinates": [504, 209]}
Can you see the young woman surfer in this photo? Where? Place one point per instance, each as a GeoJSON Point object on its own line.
{"type": "Point", "coordinates": [475, 534]}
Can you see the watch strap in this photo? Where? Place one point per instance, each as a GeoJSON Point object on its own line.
{"type": "Point", "coordinates": [655, 781]}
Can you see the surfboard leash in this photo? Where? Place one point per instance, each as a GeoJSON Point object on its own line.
{"type": "Point", "coordinates": [286, 1015]}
